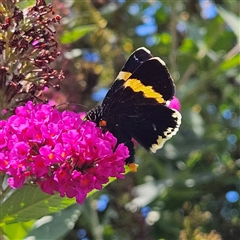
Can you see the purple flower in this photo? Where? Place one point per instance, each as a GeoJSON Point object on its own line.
{"type": "Point", "coordinates": [59, 151]}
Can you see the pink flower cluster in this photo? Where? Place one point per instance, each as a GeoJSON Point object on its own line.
{"type": "Point", "coordinates": [59, 151]}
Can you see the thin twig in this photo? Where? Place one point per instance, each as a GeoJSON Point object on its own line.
{"type": "Point", "coordinates": [188, 73]}
{"type": "Point", "coordinates": [173, 32]}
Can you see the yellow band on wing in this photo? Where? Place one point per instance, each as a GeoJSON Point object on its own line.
{"type": "Point", "coordinates": [124, 75]}
{"type": "Point", "coordinates": [147, 91]}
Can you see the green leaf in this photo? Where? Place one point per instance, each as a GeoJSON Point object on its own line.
{"type": "Point", "coordinates": [28, 203]}
{"type": "Point", "coordinates": [26, 3]}
{"type": "Point", "coordinates": [230, 63]}
{"type": "Point", "coordinates": [77, 33]}
{"type": "Point", "coordinates": [56, 225]}
{"type": "Point", "coordinates": [232, 20]}
{"type": "Point", "coordinates": [17, 230]}
{"type": "Point", "coordinates": [188, 46]}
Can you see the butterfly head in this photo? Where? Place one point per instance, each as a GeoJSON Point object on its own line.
{"type": "Point", "coordinates": [96, 115]}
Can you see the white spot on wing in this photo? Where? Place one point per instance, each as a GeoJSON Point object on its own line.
{"type": "Point", "coordinates": [123, 75]}
{"type": "Point", "coordinates": [160, 60]}
{"type": "Point", "coordinates": [141, 48]}
{"type": "Point", "coordinates": [168, 133]}
{"type": "Point", "coordinates": [168, 103]}
{"type": "Point", "coordinates": [135, 57]}
{"type": "Point", "coordinates": [144, 49]}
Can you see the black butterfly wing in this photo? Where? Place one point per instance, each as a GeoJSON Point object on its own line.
{"type": "Point", "coordinates": [135, 106]}
{"type": "Point", "coordinates": [150, 125]}
{"type": "Point", "coordinates": [134, 61]}
{"type": "Point", "coordinates": [153, 81]}
{"type": "Point", "coordinates": [138, 108]}
{"type": "Point", "coordinates": [150, 84]}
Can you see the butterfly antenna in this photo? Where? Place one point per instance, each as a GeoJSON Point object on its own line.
{"type": "Point", "coordinates": [78, 104]}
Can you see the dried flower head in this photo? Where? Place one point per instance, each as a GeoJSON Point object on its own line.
{"type": "Point", "coordinates": [27, 49]}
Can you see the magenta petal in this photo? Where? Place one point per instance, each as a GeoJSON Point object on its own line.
{"type": "Point", "coordinates": [175, 104]}
{"type": "Point", "coordinates": [16, 182]}
{"type": "Point", "coordinates": [59, 151]}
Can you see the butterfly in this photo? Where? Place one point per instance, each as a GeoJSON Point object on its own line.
{"type": "Point", "coordinates": [136, 105]}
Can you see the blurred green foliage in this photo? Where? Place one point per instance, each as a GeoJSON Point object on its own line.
{"type": "Point", "coordinates": [190, 189]}
{"type": "Point", "coordinates": [195, 170]}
